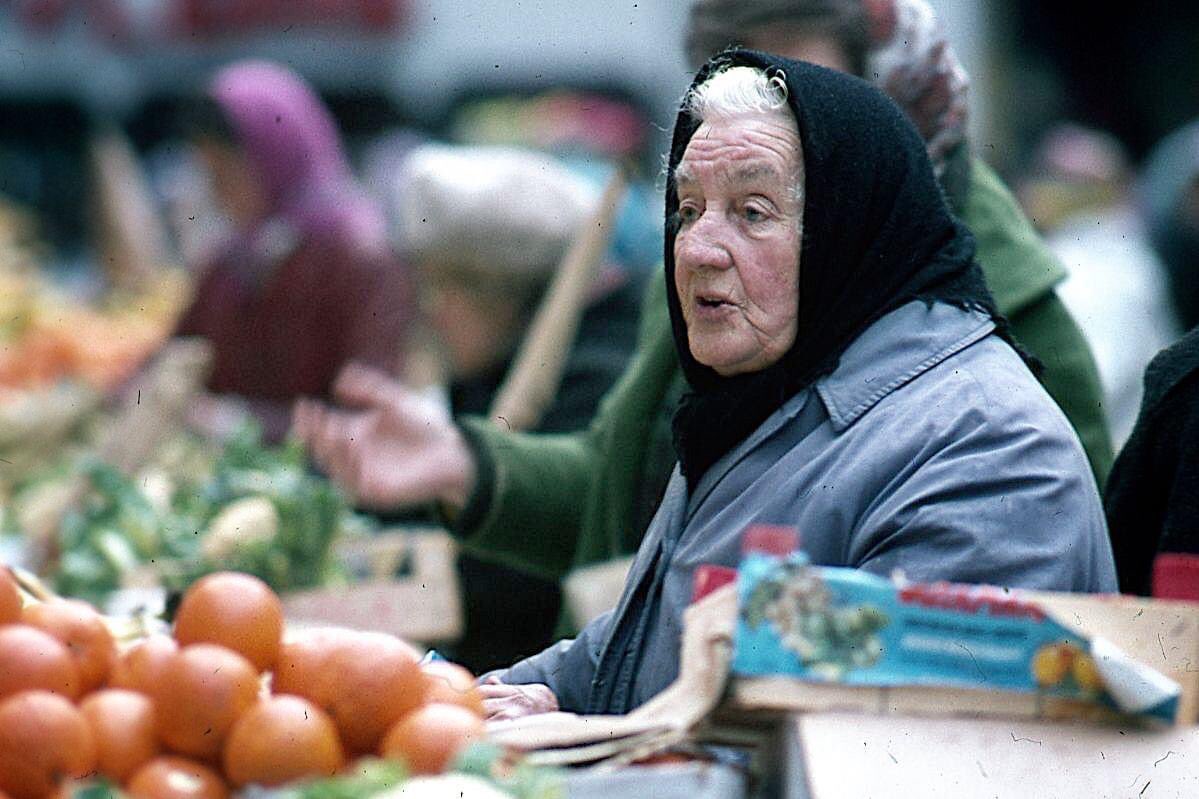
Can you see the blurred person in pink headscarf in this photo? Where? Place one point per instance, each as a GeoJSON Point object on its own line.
{"type": "Point", "coordinates": [304, 280]}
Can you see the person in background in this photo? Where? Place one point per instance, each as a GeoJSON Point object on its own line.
{"type": "Point", "coordinates": [589, 132]}
{"type": "Point", "coordinates": [304, 280]}
{"type": "Point", "coordinates": [847, 375]}
{"type": "Point", "coordinates": [485, 229]}
{"type": "Point", "coordinates": [1169, 196]}
{"type": "Point", "coordinates": [1152, 500]}
{"type": "Point", "coordinates": [1078, 191]}
{"type": "Point", "coordinates": [558, 503]}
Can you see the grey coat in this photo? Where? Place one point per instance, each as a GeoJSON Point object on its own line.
{"type": "Point", "coordinates": [931, 448]}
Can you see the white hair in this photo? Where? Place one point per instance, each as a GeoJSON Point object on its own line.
{"type": "Point", "coordinates": [737, 91]}
{"type": "Point", "coordinates": [746, 91]}
{"type": "Point", "coordinates": [498, 211]}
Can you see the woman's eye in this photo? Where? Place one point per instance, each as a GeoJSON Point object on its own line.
{"type": "Point", "coordinates": [753, 214]}
{"type": "Point", "coordinates": [688, 213]}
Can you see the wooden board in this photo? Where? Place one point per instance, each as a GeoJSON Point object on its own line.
{"type": "Point", "coordinates": [858, 755]}
{"type": "Point", "coordinates": [424, 606]}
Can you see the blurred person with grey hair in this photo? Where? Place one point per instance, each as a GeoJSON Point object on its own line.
{"type": "Point", "coordinates": [485, 229]}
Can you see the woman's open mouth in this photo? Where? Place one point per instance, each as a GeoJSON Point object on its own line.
{"type": "Point", "coordinates": [712, 306]}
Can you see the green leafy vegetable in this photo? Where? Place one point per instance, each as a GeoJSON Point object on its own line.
{"type": "Point", "coordinates": [118, 530]}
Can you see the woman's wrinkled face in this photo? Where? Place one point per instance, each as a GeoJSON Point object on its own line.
{"type": "Point", "coordinates": [737, 249]}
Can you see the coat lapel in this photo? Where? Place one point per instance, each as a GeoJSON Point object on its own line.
{"type": "Point", "coordinates": [712, 478]}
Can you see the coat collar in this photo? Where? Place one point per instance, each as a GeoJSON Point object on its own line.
{"type": "Point", "coordinates": [891, 353]}
{"type": "Point", "coordinates": [894, 351]}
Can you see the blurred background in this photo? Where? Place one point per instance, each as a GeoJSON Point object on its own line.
{"type": "Point", "coordinates": [457, 71]}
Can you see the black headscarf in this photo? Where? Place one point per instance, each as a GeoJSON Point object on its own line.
{"type": "Point", "coordinates": [877, 234]}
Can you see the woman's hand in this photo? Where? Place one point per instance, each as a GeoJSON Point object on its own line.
{"type": "Point", "coordinates": [502, 701]}
{"type": "Point", "coordinates": [390, 448]}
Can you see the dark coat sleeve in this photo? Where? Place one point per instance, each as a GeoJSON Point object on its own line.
{"type": "Point", "coordinates": [1152, 499]}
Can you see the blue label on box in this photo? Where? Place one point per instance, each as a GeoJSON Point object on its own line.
{"type": "Point", "coordinates": [854, 628]}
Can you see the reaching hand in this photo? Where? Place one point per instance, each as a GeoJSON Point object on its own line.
{"type": "Point", "coordinates": [389, 447]}
{"type": "Point", "coordinates": [501, 701]}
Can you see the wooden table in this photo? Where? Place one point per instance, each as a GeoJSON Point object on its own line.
{"type": "Point", "coordinates": [827, 755]}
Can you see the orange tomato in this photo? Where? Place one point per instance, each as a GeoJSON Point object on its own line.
{"type": "Point", "coordinates": [234, 610]}
{"type": "Point", "coordinates": [143, 665]}
{"type": "Point", "coordinates": [452, 684]}
{"type": "Point", "coordinates": [300, 667]}
{"type": "Point", "coordinates": [81, 628]}
{"type": "Point", "coordinates": [205, 690]}
{"type": "Point", "coordinates": [31, 659]}
{"type": "Point", "coordinates": [427, 740]}
{"type": "Point", "coordinates": [281, 739]}
{"type": "Point", "coordinates": [43, 741]}
{"type": "Point", "coordinates": [10, 598]}
{"type": "Point", "coordinates": [122, 724]}
{"type": "Point", "coordinates": [369, 681]}
{"type": "Point", "coordinates": [176, 778]}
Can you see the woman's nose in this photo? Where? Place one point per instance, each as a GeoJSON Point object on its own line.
{"type": "Point", "coordinates": [703, 244]}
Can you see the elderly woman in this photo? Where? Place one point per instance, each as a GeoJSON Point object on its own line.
{"type": "Point", "coordinates": [305, 282]}
{"type": "Point", "coordinates": [848, 374]}
{"type": "Point", "coordinates": [900, 47]}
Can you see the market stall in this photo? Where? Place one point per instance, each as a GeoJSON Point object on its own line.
{"type": "Point", "coordinates": [207, 589]}
{"type": "Point", "coordinates": [332, 711]}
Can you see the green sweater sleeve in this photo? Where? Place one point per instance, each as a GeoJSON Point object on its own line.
{"type": "Point", "coordinates": [1049, 332]}
{"type": "Point", "coordinates": [527, 500]}
{"type": "Point", "coordinates": [1022, 272]}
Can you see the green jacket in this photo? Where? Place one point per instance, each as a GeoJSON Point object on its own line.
{"type": "Point", "coordinates": [551, 503]}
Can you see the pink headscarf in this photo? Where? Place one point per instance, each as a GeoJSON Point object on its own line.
{"type": "Point", "coordinates": [911, 60]}
{"type": "Point", "coordinates": [291, 141]}
{"type": "Point", "coordinates": [907, 56]}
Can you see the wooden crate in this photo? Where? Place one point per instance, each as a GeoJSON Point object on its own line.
{"type": "Point", "coordinates": [407, 586]}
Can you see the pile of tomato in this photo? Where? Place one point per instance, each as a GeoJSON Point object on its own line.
{"type": "Point", "coordinates": [228, 700]}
